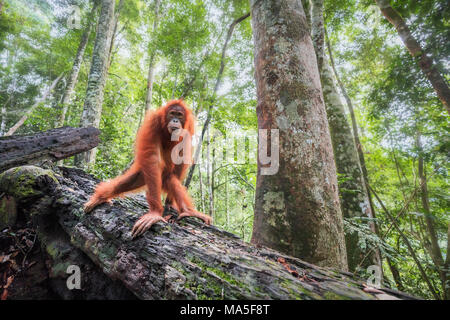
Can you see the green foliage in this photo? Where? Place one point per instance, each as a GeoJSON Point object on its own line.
{"type": "Point", "coordinates": [394, 103]}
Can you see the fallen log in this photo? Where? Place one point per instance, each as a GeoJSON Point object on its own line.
{"type": "Point", "coordinates": [188, 260]}
{"type": "Point", "coordinates": [53, 145]}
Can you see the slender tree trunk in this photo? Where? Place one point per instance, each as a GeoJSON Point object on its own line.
{"type": "Point", "coordinates": [227, 212]}
{"type": "Point", "coordinates": [216, 87]}
{"type": "Point", "coordinates": [352, 190]}
{"type": "Point", "coordinates": [408, 246]}
{"type": "Point", "coordinates": [30, 110]}
{"type": "Point", "coordinates": [174, 88]}
{"type": "Point", "coordinates": [92, 108]}
{"type": "Point", "coordinates": [318, 31]}
{"type": "Point", "coordinates": [297, 207]}
{"type": "Point", "coordinates": [114, 33]}
{"type": "Point", "coordinates": [307, 8]}
{"type": "Point", "coordinates": [73, 76]}
{"type": "Point", "coordinates": [3, 115]}
{"type": "Point", "coordinates": [395, 274]}
{"type": "Point", "coordinates": [435, 250]}
{"type": "Point", "coordinates": [208, 175]}
{"type": "Point", "coordinates": [200, 181]}
{"type": "Point", "coordinates": [148, 97]}
{"type": "Point", "coordinates": [213, 183]}
{"type": "Point", "coordinates": [3, 122]}
{"type": "Point", "coordinates": [438, 82]}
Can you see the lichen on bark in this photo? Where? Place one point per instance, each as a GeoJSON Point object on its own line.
{"type": "Point", "coordinates": [178, 261]}
{"type": "Point", "coordinates": [92, 108]}
{"type": "Point", "coordinates": [290, 100]}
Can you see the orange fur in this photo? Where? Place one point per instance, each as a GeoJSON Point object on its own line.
{"type": "Point", "coordinates": [153, 167]}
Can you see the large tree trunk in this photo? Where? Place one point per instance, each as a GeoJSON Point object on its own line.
{"type": "Point", "coordinates": [50, 145]}
{"type": "Point", "coordinates": [92, 108]}
{"type": "Point", "coordinates": [148, 97]}
{"type": "Point", "coordinates": [425, 62]}
{"type": "Point", "coordinates": [297, 207]}
{"type": "Point", "coordinates": [171, 261]}
{"type": "Point", "coordinates": [73, 76]}
{"type": "Point", "coordinates": [353, 194]}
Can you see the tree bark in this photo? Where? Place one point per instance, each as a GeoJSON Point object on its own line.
{"type": "Point", "coordinates": [227, 216]}
{"type": "Point", "coordinates": [352, 190]}
{"type": "Point", "coordinates": [3, 115]}
{"type": "Point", "coordinates": [92, 108]}
{"type": "Point", "coordinates": [188, 260]}
{"type": "Point", "coordinates": [210, 175]}
{"type": "Point", "coordinates": [200, 183]}
{"type": "Point", "coordinates": [3, 122]}
{"type": "Point", "coordinates": [34, 106]}
{"type": "Point", "coordinates": [395, 274]}
{"type": "Point", "coordinates": [317, 32]}
{"type": "Point", "coordinates": [307, 8]}
{"type": "Point", "coordinates": [425, 62]}
{"type": "Point", "coordinates": [73, 76]}
{"type": "Point", "coordinates": [297, 209]}
{"type": "Point", "coordinates": [148, 97]}
{"type": "Point", "coordinates": [50, 145]}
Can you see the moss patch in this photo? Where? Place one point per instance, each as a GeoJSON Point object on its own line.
{"type": "Point", "coordinates": [22, 182]}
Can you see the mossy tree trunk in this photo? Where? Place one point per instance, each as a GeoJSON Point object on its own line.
{"type": "Point", "coordinates": [149, 93]}
{"type": "Point", "coordinates": [93, 102]}
{"type": "Point", "coordinates": [297, 207]}
{"type": "Point", "coordinates": [171, 261]}
{"type": "Point", "coordinates": [352, 190]}
{"type": "Point", "coordinates": [73, 75]}
{"type": "Point", "coordinates": [53, 145]}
